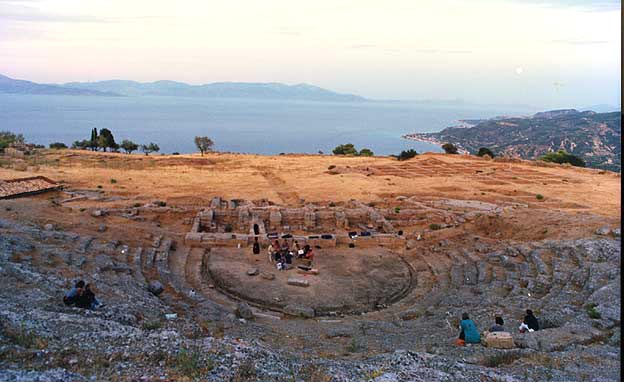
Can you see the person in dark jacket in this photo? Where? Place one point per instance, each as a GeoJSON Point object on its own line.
{"type": "Point", "coordinates": [71, 297]}
{"type": "Point", "coordinates": [87, 300]}
{"type": "Point", "coordinates": [498, 326]}
{"type": "Point", "coordinates": [469, 332]}
{"type": "Point", "coordinates": [256, 247]}
{"type": "Point", "coordinates": [530, 320]}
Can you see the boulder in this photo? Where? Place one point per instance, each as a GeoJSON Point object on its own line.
{"type": "Point", "coordinates": [298, 282]}
{"type": "Point", "coordinates": [338, 332]}
{"type": "Point", "coordinates": [603, 231]}
{"type": "Point", "coordinates": [48, 227]}
{"type": "Point", "coordinates": [244, 311]}
{"type": "Point", "coordinates": [299, 311]}
{"type": "Point", "coordinates": [155, 287]}
{"type": "Point", "coordinates": [267, 276]}
{"type": "Point", "coordinates": [556, 339]}
{"type": "Point", "coordinates": [252, 271]}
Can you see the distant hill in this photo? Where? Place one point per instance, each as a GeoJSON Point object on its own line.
{"type": "Point", "coordinates": [13, 86]}
{"type": "Point", "coordinates": [179, 89]}
{"type": "Point", "coordinates": [217, 90]}
{"type": "Point", "coordinates": [595, 137]}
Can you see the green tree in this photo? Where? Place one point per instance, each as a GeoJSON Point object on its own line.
{"type": "Point", "coordinates": [93, 142]}
{"type": "Point", "coordinates": [106, 140]}
{"type": "Point", "coordinates": [407, 154]}
{"type": "Point", "coordinates": [128, 146]}
{"type": "Point", "coordinates": [58, 145]}
{"type": "Point", "coordinates": [562, 156]}
{"type": "Point", "coordinates": [449, 148]}
{"type": "Point", "coordinates": [81, 145]}
{"type": "Point", "coordinates": [346, 149]}
{"type": "Point", "coordinates": [150, 148]}
{"type": "Point", "coordinates": [203, 144]}
{"type": "Point", "coordinates": [483, 151]}
{"type": "Point", "coordinates": [7, 138]}
{"type": "Point", "coordinates": [366, 153]}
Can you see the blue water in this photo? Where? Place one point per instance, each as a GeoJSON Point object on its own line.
{"type": "Point", "coordinates": [237, 125]}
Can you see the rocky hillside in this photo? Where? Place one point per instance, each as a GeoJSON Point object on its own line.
{"type": "Point", "coordinates": [595, 137]}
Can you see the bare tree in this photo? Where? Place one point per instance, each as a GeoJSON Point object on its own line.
{"type": "Point", "coordinates": [204, 144]}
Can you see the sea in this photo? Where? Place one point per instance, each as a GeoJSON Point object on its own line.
{"type": "Point", "coordinates": [238, 125]}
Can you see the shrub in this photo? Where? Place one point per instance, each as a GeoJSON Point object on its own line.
{"type": "Point", "coordinates": [434, 226]}
{"type": "Point", "coordinates": [366, 153]}
{"type": "Point", "coordinates": [485, 151]}
{"type": "Point", "coordinates": [58, 145]}
{"type": "Point", "coordinates": [592, 312]}
{"type": "Point", "coordinates": [407, 154]}
{"type": "Point", "coordinates": [113, 180]}
{"type": "Point", "coordinates": [397, 210]}
{"type": "Point", "coordinates": [346, 149]}
{"type": "Point", "coordinates": [228, 228]}
{"type": "Point", "coordinates": [189, 363]}
{"type": "Point", "coordinates": [561, 157]}
{"type": "Point", "coordinates": [175, 153]}
{"type": "Point", "coordinates": [99, 186]}
{"type": "Point", "coordinates": [7, 137]}
{"type": "Point", "coordinates": [81, 145]}
{"type": "Point", "coordinates": [152, 325]}
{"type": "Point", "coordinates": [449, 148]}
{"type": "Point", "coordinates": [331, 167]}
{"type": "Point", "coordinates": [539, 197]}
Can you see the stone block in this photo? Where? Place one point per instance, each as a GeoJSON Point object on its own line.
{"type": "Point", "coordinates": [298, 282]}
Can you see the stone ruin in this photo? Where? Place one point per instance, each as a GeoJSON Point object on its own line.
{"type": "Point", "coordinates": [238, 222]}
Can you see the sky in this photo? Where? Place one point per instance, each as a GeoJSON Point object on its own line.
{"type": "Point", "coordinates": [560, 53]}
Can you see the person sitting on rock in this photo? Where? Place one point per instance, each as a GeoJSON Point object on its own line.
{"type": "Point", "coordinates": [288, 258]}
{"type": "Point", "coordinates": [530, 320]}
{"type": "Point", "coordinates": [87, 300]}
{"type": "Point", "coordinates": [468, 330]}
{"type": "Point", "coordinates": [256, 247]}
{"type": "Point", "coordinates": [271, 251]}
{"type": "Point", "coordinates": [498, 326]}
{"type": "Point", "coordinates": [309, 257]}
{"type": "Point", "coordinates": [296, 247]}
{"type": "Point", "coordinates": [303, 254]}
{"type": "Point", "coordinates": [71, 297]}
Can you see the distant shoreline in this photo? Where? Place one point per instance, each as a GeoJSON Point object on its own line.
{"type": "Point", "coordinates": [425, 138]}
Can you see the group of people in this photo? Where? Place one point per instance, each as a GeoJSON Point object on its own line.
{"type": "Point", "coordinates": [82, 296]}
{"type": "Point", "coordinates": [282, 254]}
{"type": "Point", "coordinates": [470, 334]}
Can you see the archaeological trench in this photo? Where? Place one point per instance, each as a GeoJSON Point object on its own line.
{"type": "Point", "coordinates": [392, 277]}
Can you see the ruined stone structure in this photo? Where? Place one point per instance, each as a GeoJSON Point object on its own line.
{"type": "Point", "coordinates": [229, 223]}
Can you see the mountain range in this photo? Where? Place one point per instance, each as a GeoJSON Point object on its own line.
{"type": "Point", "coordinates": [595, 137]}
{"type": "Point", "coordinates": [178, 89]}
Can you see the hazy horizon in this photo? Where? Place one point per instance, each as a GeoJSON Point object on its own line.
{"type": "Point", "coordinates": [530, 52]}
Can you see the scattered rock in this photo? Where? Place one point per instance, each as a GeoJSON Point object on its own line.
{"type": "Point", "coordinates": [252, 271]}
{"type": "Point", "coordinates": [267, 276]}
{"type": "Point", "coordinates": [98, 213]}
{"type": "Point", "coordinates": [298, 282]}
{"type": "Point", "coordinates": [102, 227]}
{"type": "Point", "coordinates": [155, 287]}
{"type": "Point", "coordinates": [48, 227]}
{"type": "Point", "coordinates": [603, 231]}
{"type": "Point", "coordinates": [244, 311]}
{"type": "Point", "coordinates": [299, 311]}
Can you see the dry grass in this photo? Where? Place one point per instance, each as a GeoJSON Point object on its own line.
{"type": "Point", "coordinates": [192, 179]}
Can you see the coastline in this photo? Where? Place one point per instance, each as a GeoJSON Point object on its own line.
{"type": "Point", "coordinates": [426, 138]}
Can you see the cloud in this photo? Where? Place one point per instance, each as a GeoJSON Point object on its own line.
{"type": "Point", "coordinates": [11, 12]}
